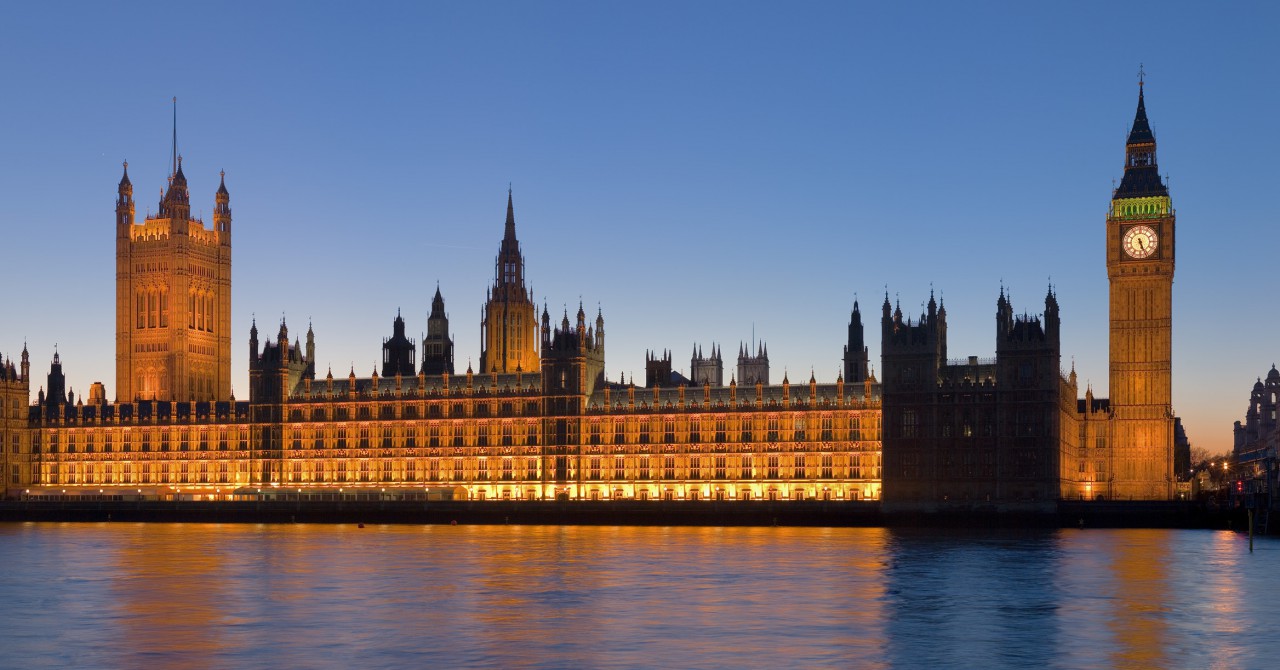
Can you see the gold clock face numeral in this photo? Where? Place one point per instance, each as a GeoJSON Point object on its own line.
{"type": "Point", "coordinates": [1140, 242]}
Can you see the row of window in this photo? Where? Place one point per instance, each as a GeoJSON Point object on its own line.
{"type": "Point", "coordinates": [152, 309]}
{"type": "Point", "coordinates": [89, 442]}
{"type": "Point", "coordinates": [443, 470]}
{"type": "Point", "coordinates": [971, 423]}
{"type": "Point", "coordinates": [412, 411]}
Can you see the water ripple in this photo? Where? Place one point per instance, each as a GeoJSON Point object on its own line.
{"type": "Point", "coordinates": [258, 596]}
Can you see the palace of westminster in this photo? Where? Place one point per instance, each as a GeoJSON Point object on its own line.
{"type": "Point", "coordinates": [539, 420]}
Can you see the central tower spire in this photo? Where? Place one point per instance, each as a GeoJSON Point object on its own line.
{"type": "Point", "coordinates": [510, 232]}
{"type": "Point", "coordinates": [509, 320]}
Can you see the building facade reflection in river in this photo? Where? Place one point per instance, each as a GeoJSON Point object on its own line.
{"type": "Point", "coordinates": [116, 595]}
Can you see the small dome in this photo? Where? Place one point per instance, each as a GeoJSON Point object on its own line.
{"type": "Point", "coordinates": [1258, 386]}
{"type": "Point", "coordinates": [1274, 375]}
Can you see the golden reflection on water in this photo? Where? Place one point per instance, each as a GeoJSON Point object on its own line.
{"type": "Point", "coordinates": [1140, 587]}
{"type": "Point", "coordinates": [211, 596]}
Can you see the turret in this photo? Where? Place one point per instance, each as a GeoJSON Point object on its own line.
{"type": "Point", "coordinates": [282, 340]}
{"type": "Point", "coordinates": [176, 204]}
{"type": "Point", "coordinates": [546, 327]}
{"type": "Point", "coordinates": [1051, 320]}
{"type": "Point", "coordinates": [1004, 315]}
{"type": "Point", "coordinates": [26, 364]}
{"type": "Point", "coordinates": [599, 329]}
{"type": "Point", "coordinates": [124, 201]}
{"type": "Point", "coordinates": [311, 353]}
{"type": "Point", "coordinates": [222, 210]}
{"type": "Point", "coordinates": [253, 344]}
{"type": "Point", "coordinates": [57, 385]}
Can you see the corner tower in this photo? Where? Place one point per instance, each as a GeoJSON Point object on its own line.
{"type": "Point", "coordinates": [509, 322]}
{"type": "Point", "coordinates": [1140, 262]}
{"type": "Point", "coordinates": [173, 297]}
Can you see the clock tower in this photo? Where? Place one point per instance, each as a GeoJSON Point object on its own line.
{"type": "Point", "coordinates": [1140, 261]}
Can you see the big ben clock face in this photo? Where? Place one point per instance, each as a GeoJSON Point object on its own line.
{"type": "Point", "coordinates": [1140, 242]}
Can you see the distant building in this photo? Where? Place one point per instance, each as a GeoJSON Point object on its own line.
{"type": "Point", "coordinates": [1256, 451]}
{"type": "Point", "coordinates": [399, 353]}
{"type": "Point", "coordinates": [753, 368]}
{"type": "Point", "coordinates": [437, 347]}
{"type": "Point", "coordinates": [706, 370]}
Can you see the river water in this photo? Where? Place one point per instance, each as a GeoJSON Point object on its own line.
{"type": "Point", "coordinates": [304, 596]}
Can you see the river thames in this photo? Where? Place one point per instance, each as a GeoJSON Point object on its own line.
{"type": "Point", "coordinates": [119, 595]}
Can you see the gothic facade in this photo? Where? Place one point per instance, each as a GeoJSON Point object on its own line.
{"type": "Point", "coordinates": [173, 297]}
{"type": "Point", "coordinates": [975, 431]}
{"type": "Point", "coordinates": [540, 419]}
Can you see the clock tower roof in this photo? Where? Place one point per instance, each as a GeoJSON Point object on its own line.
{"type": "Point", "coordinates": [1141, 174]}
{"type": "Point", "coordinates": [1141, 132]}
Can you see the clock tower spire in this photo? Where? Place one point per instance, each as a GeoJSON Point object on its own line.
{"type": "Point", "coordinates": [1140, 263]}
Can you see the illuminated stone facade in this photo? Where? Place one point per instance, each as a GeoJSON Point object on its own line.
{"type": "Point", "coordinates": [1140, 262]}
{"type": "Point", "coordinates": [15, 438]}
{"type": "Point", "coordinates": [563, 433]}
{"type": "Point", "coordinates": [173, 297]}
{"type": "Point", "coordinates": [539, 421]}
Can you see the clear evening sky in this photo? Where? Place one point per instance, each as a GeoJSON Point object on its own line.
{"type": "Point", "coordinates": [698, 169]}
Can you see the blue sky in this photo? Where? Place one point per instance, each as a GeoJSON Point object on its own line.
{"type": "Point", "coordinates": [696, 169]}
